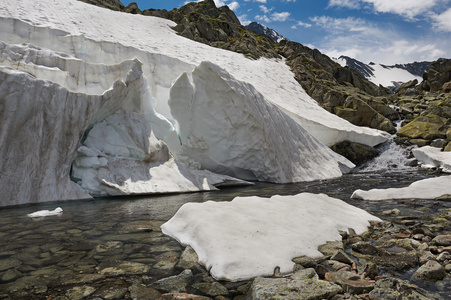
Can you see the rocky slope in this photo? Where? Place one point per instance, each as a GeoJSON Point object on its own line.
{"type": "Point", "coordinates": [426, 107]}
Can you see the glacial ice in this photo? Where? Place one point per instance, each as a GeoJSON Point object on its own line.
{"type": "Point", "coordinates": [82, 68]}
{"type": "Point", "coordinates": [250, 236]}
{"type": "Point", "coordinates": [431, 188]}
{"type": "Point", "coordinates": [46, 213]}
{"type": "Point", "coordinates": [231, 129]}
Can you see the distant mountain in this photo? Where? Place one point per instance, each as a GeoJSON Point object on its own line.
{"type": "Point", "coordinates": [262, 29]}
{"type": "Point", "coordinates": [390, 77]}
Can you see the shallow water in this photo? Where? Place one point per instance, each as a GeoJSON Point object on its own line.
{"type": "Point", "coordinates": [53, 254]}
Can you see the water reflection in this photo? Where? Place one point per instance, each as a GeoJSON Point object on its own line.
{"type": "Point", "coordinates": [50, 254]}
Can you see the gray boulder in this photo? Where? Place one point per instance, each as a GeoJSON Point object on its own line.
{"type": "Point", "coordinates": [430, 271]}
{"type": "Point", "coordinates": [303, 284]}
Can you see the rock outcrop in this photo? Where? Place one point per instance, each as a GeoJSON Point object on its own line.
{"type": "Point", "coordinates": [340, 90]}
{"type": "Point", "coordinates": [426, 107]}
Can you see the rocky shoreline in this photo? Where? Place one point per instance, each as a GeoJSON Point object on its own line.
{"type": "Point", "coordinates": [403, 256]}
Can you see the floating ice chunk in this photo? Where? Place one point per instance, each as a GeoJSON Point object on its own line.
{"type": "Point", "coordinates": [46, 213]}
{"type": "Point", "coordinates": [433, 157]}
{"type": "Point", "coordinates": [430, 188]}
{"type": "Point", "coordinates": [250, 236]}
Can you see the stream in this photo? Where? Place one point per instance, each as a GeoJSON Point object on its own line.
{"type": "Point", "coordinates": [52, 255]}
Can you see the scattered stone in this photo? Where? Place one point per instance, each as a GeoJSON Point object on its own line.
{"type": "Point", "coordinates": [303, 284]}
{"type": "Point", "coordinates": [9, 263]}
{"type": "Point", "coordinates": [350, 282]}
{"type": "Point", "coordinates": [442, 240]}
{"type": "Point", "coordinates": [418, 236]}
{"type": "Point", "coordinates": [365, 248]}
{"type": "Point", "coordinates": [336, 265]}
{"type": "Point", "coordinates": [188, 259]}
{"type": "Point", "coordinates": [430, 271]}
{"type": "Point", "coordinates": [175, 284]}
{"type": "Point", "coordinates": [140, 291]}
{"type": "Point", "coordinates": [330, 248]}
{"type": "Point", "coordinates": [395, 289]}
{"type": "Point", "coordinates": [392, 212]}
{"type": "Point", "coordinates": [11, 275]}
{"type": "Point", "coordinates": [341, 256]}
{"type": "Point", "coordinates": [109, 246]}
{"type": "Point", "coordinates": [80, 292]}
{"type": "Point", "coordinates": [443, 257]}
{"type": "Point", "coordinates": [371, 271]}
{"type": "Point", "coordinates": [425, 256]}
{"type": "Point", "coordinates": [114, 268]}
{"type": "Point", "coordinates": [448, 268]}
{"type": "Point", "coordinates": [166, 261]}
{"type": "Point", "coordinates": [112, 292]}
{"type": "Point", "coordinates": [182, 296]}
{"type": "Point", "coordinates": [305, 261]}
{"type": "Point", "coordinates": [211, 289]}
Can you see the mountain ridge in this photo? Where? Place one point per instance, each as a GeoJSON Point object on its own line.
{"type": "Point", "coordinates": [262, 29]}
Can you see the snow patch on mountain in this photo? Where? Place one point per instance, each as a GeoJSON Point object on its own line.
{"type": "Point", "coordinates": [387, 76]}
{"type": "Point", "coordinates": [262, 29]}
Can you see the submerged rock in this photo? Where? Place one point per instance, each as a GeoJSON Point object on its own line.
{"type": "Point", "coordinates": [355, 152]}
{"type": "Point", "coordinates": [394, 289]}
{"type": "Point", "coordinates": [303, 284]}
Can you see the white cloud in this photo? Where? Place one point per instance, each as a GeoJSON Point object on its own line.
{"type": "Point", "coordinates": [405, 8]}
{"type": "Point", "coordinates": [442, 21]}
{"type": "Point", "coordinates": [263, 18]}
{"type": "Point", "coordinates": [340, 24]}
{"type": "Point", "coordinates": [302, 24]}
{"type": "Point", "coordinates": [352, 4]}
{"type": "Point", "coordinates": [409, 9]}
{"type": "Point", "coordinates": [243, 19]}
{"type": "Point", "coordinates": [368, 42]}
{"type": "Point", "coordinates": [260, 1]}
{"type": "Point", "coordinates": [264, 9]}
{"type": "Point", "coordinates": [274, 17]}
{"type": "Point", "coordinates": [233, 5]}
{"type": "Point", "coordinates": [280, 17]}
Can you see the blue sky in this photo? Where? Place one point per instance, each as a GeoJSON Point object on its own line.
{"type": "Point", "coordinates": [382, 31]}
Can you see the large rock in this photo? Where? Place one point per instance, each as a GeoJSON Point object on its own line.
{"type": "Point", "coordinates": [430, 271]}
{"type": "Point", "coordinates": [428, 127]}
{"type": "Point", "coordinates": [355, 152]}
{"type": "Point", "coordinates": [303, 284]}
{"type": "Point", "coordinates": [438, 73]}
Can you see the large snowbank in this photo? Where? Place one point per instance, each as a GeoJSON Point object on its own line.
{"type": "Point", "coordinates": [230, 128]}
{"type": "Point", "coordinates": [86, 67]}
{"type": "Point", "coordinates": [431, 188]}
{"type": "Point", "coordinates": [433, 157]}
{"type": "Point", "coordinates": [74, 28]}
{"type": "Point", "coordinates": [250, 236]}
